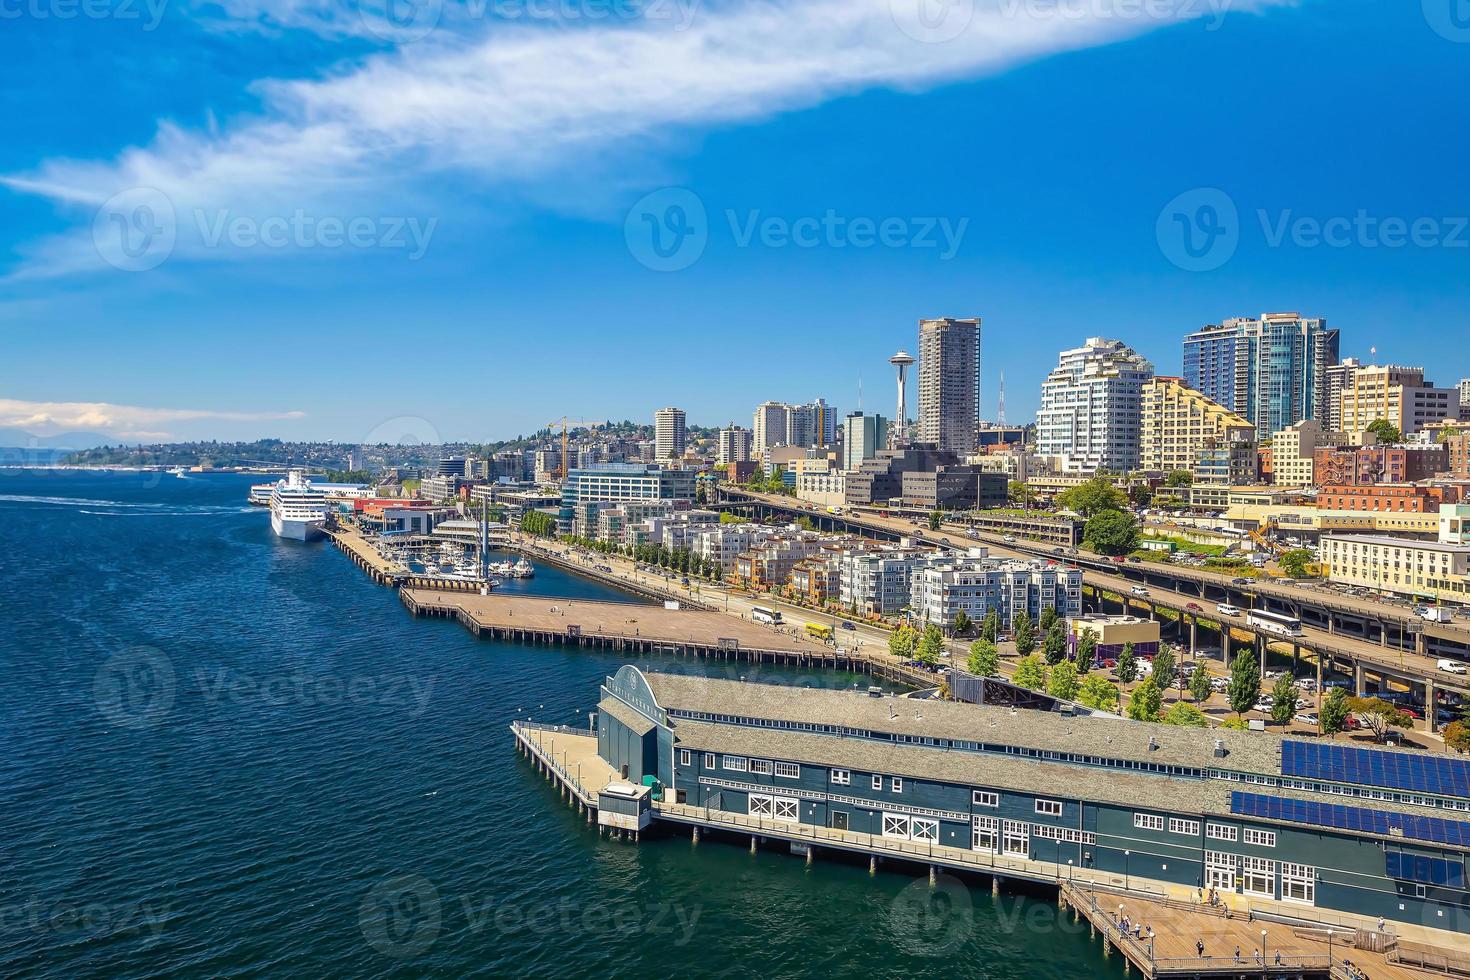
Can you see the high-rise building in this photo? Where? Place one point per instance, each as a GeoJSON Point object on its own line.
{"type": "Point", "coordinates": [1398, 394]}
{"type": "Point", "coordinates": [668, 433]}
{"type": "Point", "coordinates": [734, 445]}
{"type": "Point", "coordinates": [1337, 377]}
{"type": "Point", "coordinates": [949, 380]}
{"type": "Point", "coordinates": [824, 423]}
{"type": "Point", "coordinates": [1091, 408]}
{"type": "Point", "coordinates": [863, 436]}
{"type": "Point", "coordinates": [1272, 370]}
{"type": "Point", "coordinates": [770, 425]}
{"type": "Point", "coordinates": [1464, 387]}
{"type": "Point", "coordinates": [1178, 422]}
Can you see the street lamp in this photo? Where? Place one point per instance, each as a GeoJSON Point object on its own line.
{"type": "Point", "coordinates": [1329, 952]}
{"type": "Point", "coordinates": [1126, 855]}
{"type": "Point", "coordinates": [1263, 947]}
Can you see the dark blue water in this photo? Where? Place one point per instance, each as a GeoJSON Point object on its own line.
{"type": "Point", "coordinates": [229, 755]}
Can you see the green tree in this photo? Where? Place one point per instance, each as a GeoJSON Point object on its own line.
{"type": "Point", "coordinates": [1186, 715]}
{"type": "Point", "coordinates": [1386, 431]}
{"type": "Point", "coordinates": [1245, 681]}
{"type": "Point", "coordinates": [1093, 497]}
{"type": "Point", "coordinates": [805, 523]}
{"type": "Point", "coordinates": [1139, 495]}
{"type": "Point", "coordinates": [1295, 562]}
{"type": "Point", "coordinates": [1019, 492]}
{"type": "Point", "coordinates": [962, 623]}
{"type": "Point", "coordinates": [1047, 620]}
{"type": "Point", "coordinates": [728, 518]}
{"type": "Point", "coordinates": [903, 641]}
{"type": "Point", "coordinates": [1378, 716]}
{"type": "Point", "coordinates": [1025, 635]}
{"type": "Point", "coordinates": [1063, 681]}
{"type": "Point", "coordinates": [1145, 701]}
{"type": "Point", "coordinates": [990, 626]}
{"type": "Point", "coordinates": [1235, 724]}
{"type": "Point", "coordinates": [1457, 736]}
{"type": "Point", "coordinates": [1111, 532]}
{"type": "Point", "coordinates": [1164, 669]}
{"type": "Point", "coordinates": [1179, 478]}
{"type": "Point", "coordinates": [1334, 714]}
{"type": "Point", "coordinates": [1054, 647]}
{"type": "Point", "coordinates": [1030, 673]}
{"type": "Point", "coordinates": [1096, 692]}
{"type": "Point", "coordinates": [936, 520]}
{"type": "Point", "coordinates": [1127, 665]}
{"type": "Point", "coordinates": [1283, 699]}
{"type": "Point", "coordinates": [1199, 683]}
{"type": "Point", "coordinates": [984, 659]}
{"type": "Point", "coordinates": [1086, 648]}
{"type": "Point", "coordinates": [931, 645]}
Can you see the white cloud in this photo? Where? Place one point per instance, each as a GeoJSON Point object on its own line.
{"type": "Point", "coordinates": [128, 421]}
{"type": "Point", "coordinates": [509, 102]}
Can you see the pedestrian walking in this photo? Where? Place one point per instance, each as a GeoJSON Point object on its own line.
{"type": "Point", "coordinates": [1199, 948]}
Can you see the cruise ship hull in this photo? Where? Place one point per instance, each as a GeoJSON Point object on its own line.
{"type": "Point", "coordinates": [293, 529]}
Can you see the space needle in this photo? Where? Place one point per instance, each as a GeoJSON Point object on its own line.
{"type": "Point", "coordinates": [901, 360]}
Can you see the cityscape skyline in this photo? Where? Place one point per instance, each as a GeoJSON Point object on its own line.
{"type": "Point", "coordinates": [1044, 258]}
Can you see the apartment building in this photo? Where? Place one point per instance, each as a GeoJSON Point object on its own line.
{"type": "Point", "coordinates": [1091, 408]}
{"type": "Point", "coordinates": [943, 586]}
{"type": "Point", "coordinates": [1398, 394]}
{"type": "Point", "coordinates": [1177, 421]}
{"type": "Point", "coordinates": [949, 379]}
{"type": "Point", "coordinates": [1272, 370]}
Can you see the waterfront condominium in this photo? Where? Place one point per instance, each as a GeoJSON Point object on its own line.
{"type": "Point", "coordinates": [1091, 408]}
{"type": "Point", "coordinates": [1178, 423]}
{"type": "Point", "coordinates": [1272, 370]}
{"type": "Point", "coordinates": [668, 433]}
{"type": "Point", "coordinates": [734, 445]}
{"type": "Point", "coordinates": [620, 482]}
{"type": "Point", "coordinates": [949, 379]}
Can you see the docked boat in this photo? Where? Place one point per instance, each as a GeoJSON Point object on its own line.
{"type": "Point", "coordinates": [260, 494]}
{"type": "Point", "coordinates": [298, 510]}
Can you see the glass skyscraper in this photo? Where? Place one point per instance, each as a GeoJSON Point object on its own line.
{"type": "Point", "coordinates": [1272, 370]}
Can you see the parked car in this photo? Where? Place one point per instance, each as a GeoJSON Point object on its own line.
{"type": "Point", "coordinates": [1306, 718]}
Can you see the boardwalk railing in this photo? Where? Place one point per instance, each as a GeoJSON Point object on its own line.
{"type": "Point", "coordinates": [523, 730]}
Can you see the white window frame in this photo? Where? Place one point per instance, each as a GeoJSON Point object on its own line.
{"type": "Point", "coordinates": [1222, 831]}
{"type": "Point", "coordinates": [1260, 838]}
{"type": "Point", "coordinates": [896, 826]}
{"type": "Point", "coordinates": [877, 782]}
{"type": "Point", "coordinates": [897, 784]}
{"type": "Point", "coordinates": [841, 777]}
{"type": "Point", "coordinates": [1253, 872]}
{"type": "Point", "coordinates": [734, 763]}
{"type": "Point", "coordinates": [685, 757]}
{"type": "Point", "coordinates": [985, 827]}
{"type": "Point", "coordinates": [984, 797]}
{"type": "Point", "coordinates": [1179, 825]}
{"type": "Point", "coordinates": [760, 767]}
{"type": "Point", "coordinates": [924, 829]}
{"type": "Point", "coordinates": [788, 770]}
{"type": "Point", "coordinates": [761, 805]}
{"type": "Point", "coordinates": [1300, 878]}
{"type": "Point", "coordinates": [788, 809]}
{"type": "Point", "coordinates": [1015, 830]}
{"type": "Point", "coordinates": [1050, 808]}
{"type": "Point", "coordinates": [1148, 821]}
{"type": "Point", "coordinates": [1221, 870]}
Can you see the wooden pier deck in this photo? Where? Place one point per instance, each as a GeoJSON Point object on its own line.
{"type": "Point", "coordinates": [623, 626]}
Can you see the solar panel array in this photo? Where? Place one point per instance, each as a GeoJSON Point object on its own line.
{"type": "Point", "coordinates": [1371, 767]}
{"type": "Point", "coordinates": [1435, 830]}
{"type": "Point", "coordinates": [1427, 870]}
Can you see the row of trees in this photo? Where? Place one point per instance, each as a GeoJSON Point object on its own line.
{"type": "Point", "coordinates": [1110, 529]}
{"type": "Point", "coordinates": [538, 524]}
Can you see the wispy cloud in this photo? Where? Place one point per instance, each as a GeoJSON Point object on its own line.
{"type": "Point", "coordinates": [124, 421]}
{"type": "Point", "coordinates": [508, 103]}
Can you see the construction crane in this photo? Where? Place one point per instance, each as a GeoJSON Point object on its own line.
{"type": "Point", "coordinates": [565, 423]}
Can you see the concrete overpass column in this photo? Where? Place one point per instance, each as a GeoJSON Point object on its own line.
{"type": "Point", "coordinates": [1382, 633]}
{"type": "Point", "coordinates": [1359, 678]}
{"type": "Point", "coordinates": [1431, 711]}
{"type": "Point", "coordinates": [1193, 633]}
{"type": "Point", "coordinates": [1419, 647]}
{"type": "Point", "coordinates": [1296, 658]}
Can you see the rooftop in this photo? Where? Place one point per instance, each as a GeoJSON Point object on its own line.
{"type": "Point", "coordinates": [1390, 541]}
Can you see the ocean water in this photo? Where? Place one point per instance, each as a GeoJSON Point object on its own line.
{"type": "Point", "coordinates": [225, 755]}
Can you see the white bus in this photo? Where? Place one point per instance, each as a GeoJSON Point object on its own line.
{"type": "Point", "coordinates": [763, 614]}
{"type": "Point", "coordinates": [1270, 622]}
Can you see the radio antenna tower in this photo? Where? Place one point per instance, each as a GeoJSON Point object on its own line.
{"type": "Point", "coordinates": [1000, 416]}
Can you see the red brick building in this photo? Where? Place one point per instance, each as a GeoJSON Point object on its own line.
{"type": "Point", "coordinates": [1388, 498]}
{"type": "Point", "coordinates": [1361, 466]}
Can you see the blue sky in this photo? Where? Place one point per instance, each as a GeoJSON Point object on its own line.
{"type": "Point", "coordinates": [503, 173]}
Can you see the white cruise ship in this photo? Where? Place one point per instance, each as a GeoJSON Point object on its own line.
{"type": "Point", "coordinates": [298, 510]}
